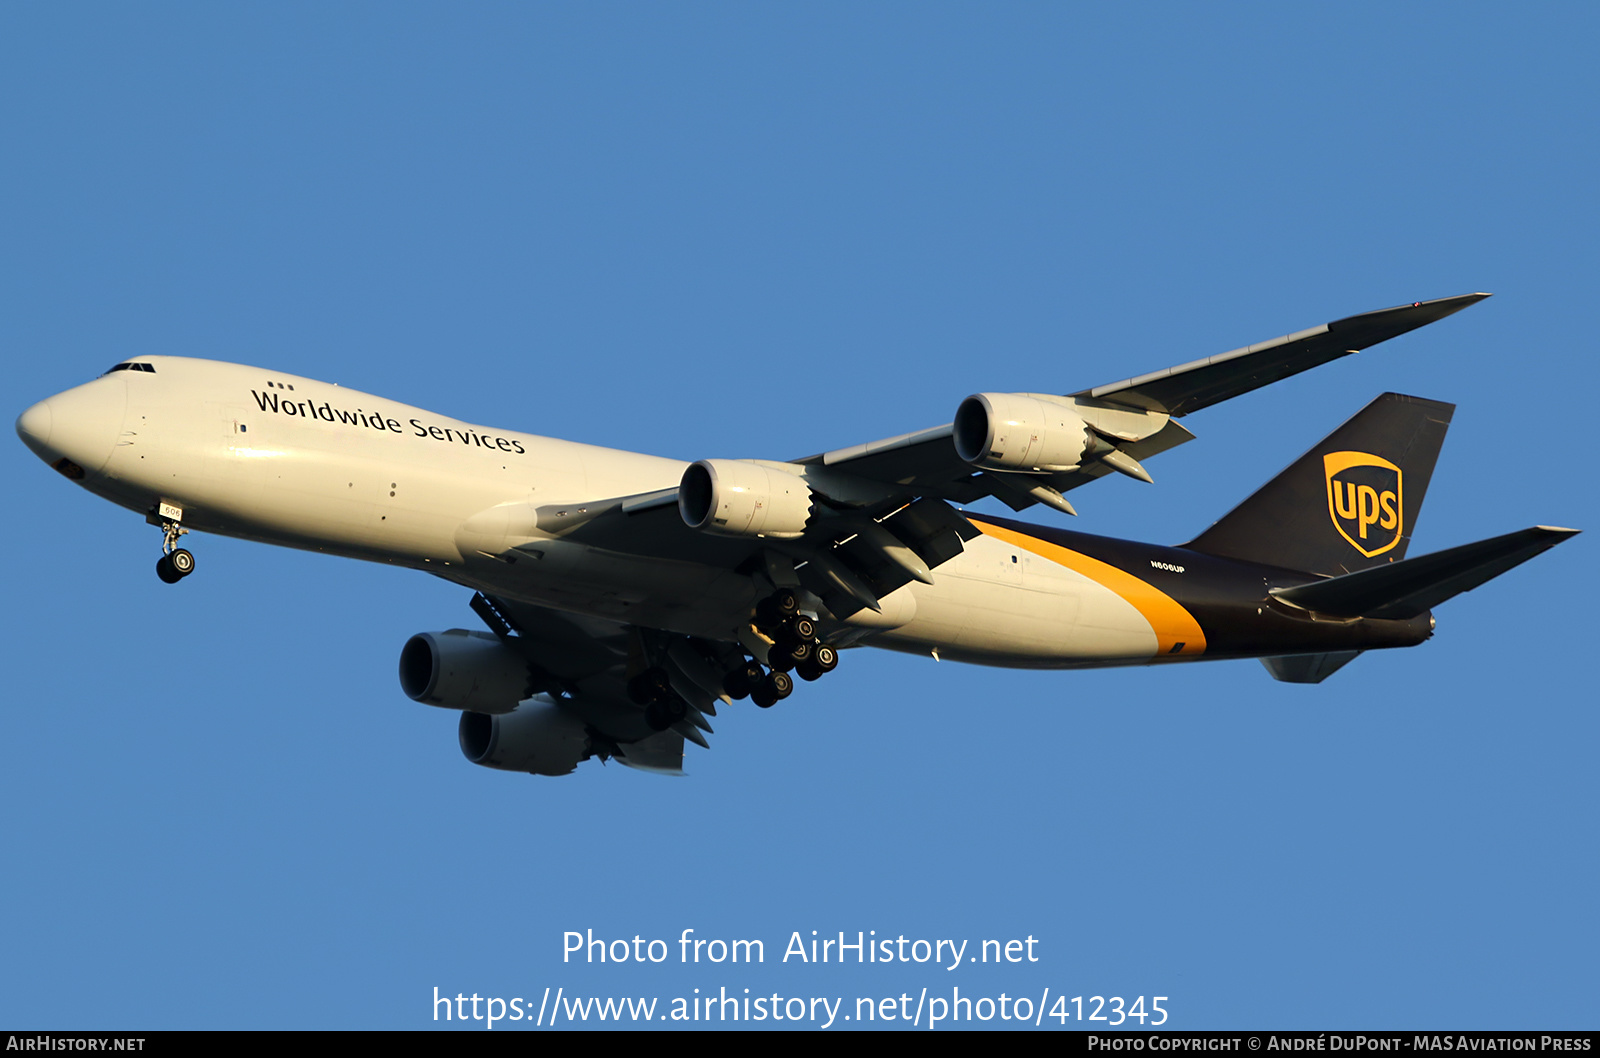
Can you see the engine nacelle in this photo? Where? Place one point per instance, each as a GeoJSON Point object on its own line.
{"type": "Point", "coordinates": [463, 670]}
{"type": "Point", "coordinates": [1024, 432]}
{"type": "Point", "coordinates": [735, 497]}
{"type": "Point", "coordinates": [538, 736]}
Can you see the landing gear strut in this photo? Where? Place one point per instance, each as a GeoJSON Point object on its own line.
{"type": "Point", "coordinates": [175, 562]}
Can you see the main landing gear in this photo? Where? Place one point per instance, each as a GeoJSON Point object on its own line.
{"type": "Point", "coordinates": [175, 562]}
{"type": "Point", "coordinates": [795, 648]}
{"type": "Point", "coordinates": [753, 681]}
{"type": "Point", "coordinates": [662, 707]}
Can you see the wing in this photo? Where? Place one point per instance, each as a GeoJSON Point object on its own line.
{"type": "Point", "coordinates": [927, 460]}
{"type": "Point", "coordinates": [881, 513]}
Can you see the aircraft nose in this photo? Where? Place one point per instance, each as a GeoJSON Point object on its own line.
{"type": "Point", "coordinates": [33, 426]}
{"type": "Point", "coordinates": [76, 431]}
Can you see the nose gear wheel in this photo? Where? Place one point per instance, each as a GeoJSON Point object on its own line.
{"type": "Point", "coordinates": [175, 562]}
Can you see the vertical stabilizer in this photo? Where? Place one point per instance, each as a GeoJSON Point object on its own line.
{"type": "Point", "coordinates": [1348, 504]}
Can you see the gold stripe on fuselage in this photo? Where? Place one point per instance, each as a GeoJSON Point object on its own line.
{"type": "Point", "coordinates": [1178, 634]}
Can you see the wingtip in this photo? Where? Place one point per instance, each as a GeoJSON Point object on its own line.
{"type": "Point", "coordinates": [1453, 304]}
{"type": "Point", "coordinates": [1412, 315]}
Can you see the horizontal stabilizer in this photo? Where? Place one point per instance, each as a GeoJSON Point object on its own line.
{"type": "Point", "coordinates": [1410, 588]}
{"type": "Point", "coordinates": [1308, 668]}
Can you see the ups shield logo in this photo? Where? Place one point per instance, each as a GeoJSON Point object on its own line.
{"type": "Point", "coordinates": [1365, 500]}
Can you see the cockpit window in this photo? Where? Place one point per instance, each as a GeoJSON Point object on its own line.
{"type": "Point", "coordinates": [129, 365]}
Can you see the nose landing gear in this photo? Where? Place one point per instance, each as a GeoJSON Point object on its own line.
{"type": "Point", "coordinates": [175, 562]}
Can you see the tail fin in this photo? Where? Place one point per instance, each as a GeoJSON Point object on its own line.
{"type": "Point", "coordinates": [1350, 503]}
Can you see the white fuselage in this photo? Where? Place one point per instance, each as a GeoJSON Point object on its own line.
{"type": "Point", "coordinates": [280, 459]}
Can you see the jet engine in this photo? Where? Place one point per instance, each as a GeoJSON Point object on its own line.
{"type": "Point", "coordinates": [1022, 432]}
{"type": "Point", "coordinates": [736, 497]}
{"type": "Point", "coordinates": [458, 669]}
{"type": "Point", "coordinates": [537, 736]}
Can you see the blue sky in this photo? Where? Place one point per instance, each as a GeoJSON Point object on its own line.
{"type": "Point", "coordinates": [762, 231]}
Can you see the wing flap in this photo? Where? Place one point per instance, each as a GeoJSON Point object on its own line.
{"type": "Point", "coordinates": [660, 754]}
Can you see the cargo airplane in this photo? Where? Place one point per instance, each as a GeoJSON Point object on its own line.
{"type": "Point", "coordinates": [626, 596]}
